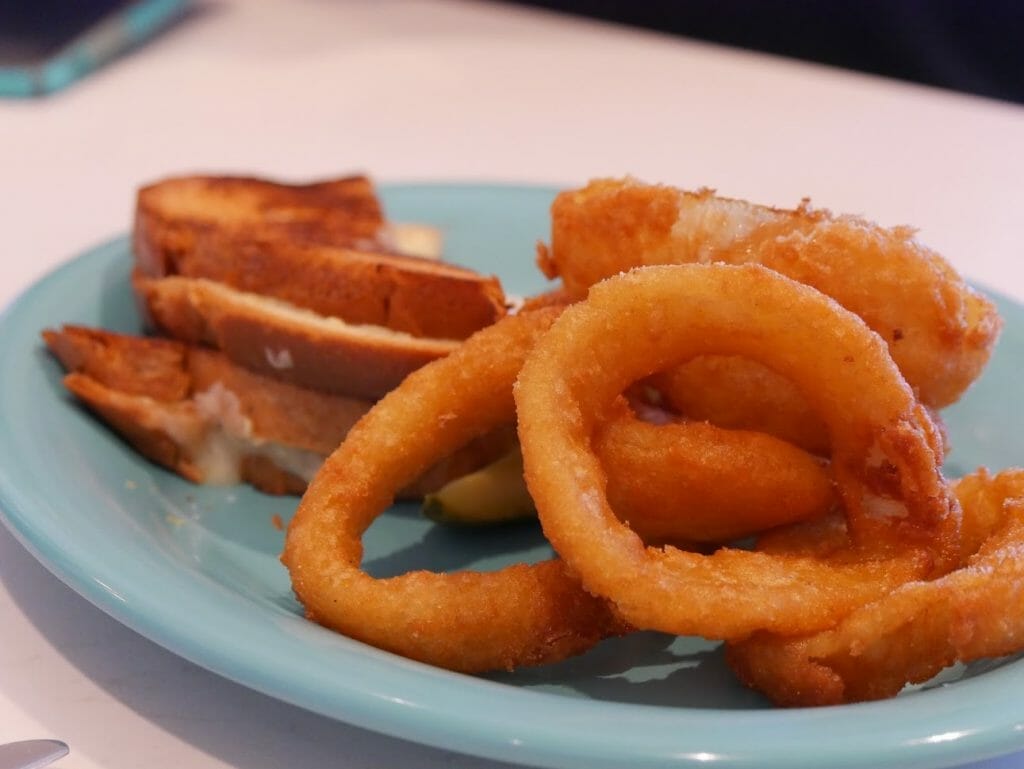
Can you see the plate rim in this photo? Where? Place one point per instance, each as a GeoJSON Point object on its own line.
{"type": "Point", "coordinates": [572, 732]}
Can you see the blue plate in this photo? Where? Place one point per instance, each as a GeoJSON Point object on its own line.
{"type": "Point", "coordinates": [195, 569]}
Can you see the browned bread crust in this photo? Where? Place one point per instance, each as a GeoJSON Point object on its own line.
{"type": "Point", "coordinates": [421, 297]}
{"type": "Point", "coordinates": [156, 368]}
{"type": "Point", "coordinates": [282, 341]}
{"type": "Point", "coordinates": [315, 246]}
{"type": "Point", "coordinates": [170, 212]}
{"type": "Point", "coordinates": [195, 412]}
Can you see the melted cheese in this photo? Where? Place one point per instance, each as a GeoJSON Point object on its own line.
{"type": "Point", "coordinates": [217, 436]}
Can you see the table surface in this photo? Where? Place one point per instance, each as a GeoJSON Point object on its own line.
{"type": "Point", "coordinates": [415, 91]}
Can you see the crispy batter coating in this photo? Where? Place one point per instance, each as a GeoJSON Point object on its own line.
{"type": "Point", "coordinates": [466, 621]}
{"type": "Point", "coordinates": [940, 332]}
{"type": "Point", "coordinates": [741, 394]}
{"type": "Point", "coordinates": [695, 482]}
{"type": "Point", "coordinates": [886, 450]}
{"type": "Point", "coordinates": [726, 391]}
{"type": "Point", "coordinates": [915, 631]}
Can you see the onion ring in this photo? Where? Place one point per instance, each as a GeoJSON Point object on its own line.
{"type": "Point", "coordinates": [885, 449]}
{"type": "Point", "coordinates": [911, 634]}
{"type": "Point", "coordinates": [729, 392]}
{"type": "Point", "coordinates": [740, 394]}
{"type": "Point", "coordinates": [940, 332]}
{"type": "Point", "coordinates": [674, 482]}
{"type": "Point", "coordinates": [465, 621]}
{"type": "Point", "coordinates": [677, 482]}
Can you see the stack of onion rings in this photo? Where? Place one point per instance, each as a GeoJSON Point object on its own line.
{"type": "Point", "coordinates": [447, 619]}
{"type": "Point", "coordinates": [468, 621]}
{"type": "Point", "coordinates": [885, 457]}
{"type": "Point", "coordinates": [870, 571]}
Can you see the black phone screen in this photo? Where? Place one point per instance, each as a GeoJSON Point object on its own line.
{"type": "Point", "coordinates": [32, 31]}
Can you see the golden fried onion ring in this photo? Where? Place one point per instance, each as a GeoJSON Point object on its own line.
{"type": "Point", "coordinates": [739, 394]}
{"type": "Point", "coordinates": [695, 482]}
{"type": "Point", "coordinates": [466, 621]}
{"type": "Point", "coordinates": [885, 448]}
{"type": "Point", "coordinates": [940, 332]}
{"type": "Point", "coordinates": [726, 391]}
{"type": "Point", "coordinates": [912, 633]}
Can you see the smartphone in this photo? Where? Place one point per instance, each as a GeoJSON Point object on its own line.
{"type": "Point", "coordinates": [46, 45]}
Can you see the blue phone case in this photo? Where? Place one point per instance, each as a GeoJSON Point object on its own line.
{"type": "Point", "coordinates": [90, 50]}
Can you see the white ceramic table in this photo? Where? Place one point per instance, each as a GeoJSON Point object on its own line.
{"type": "Point", "coordinates": [428, 90]}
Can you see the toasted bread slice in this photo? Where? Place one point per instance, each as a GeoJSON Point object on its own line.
{"type": "Point", "coordinates": [336, 212]}
{"type": "Point", "coordinates": [170, 212]}
{"type": "Point", "coordinates": [341, 212]}
{"type": "Point", "coordinates": [280, 340]}
{"type": "Point", "coordinates": [193, 411]}
{"type": "Point", "coordinates": [324, 247]}
{"type": "Point", "coordinates": [300, 282]}
{"type": "Point", "coordinates": [420, 297]}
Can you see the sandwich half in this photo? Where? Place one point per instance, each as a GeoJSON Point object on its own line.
{"type": "Point", "coordinates": [194, 411]}
{"type": "Point", "coordinates": [304, 283]}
